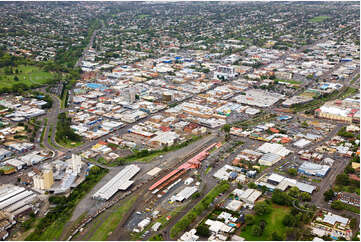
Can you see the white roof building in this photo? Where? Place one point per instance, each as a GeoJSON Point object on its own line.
{"type": "Point", "coordinates": [185, 193]}
{"type": "Point", "coordinates": [31, 159]}
{"type": "Point", "coordinates": [302, 143]}
{"type": "Point", "coordinates": [274, 148]}
{"type": "Point", "coordinates": [217, 226]}
{"type": "Point", "coordinates": [144, 223]}
{"type": "Point", "coordinates": [313, 169]}
{"type": "Point", "coordinates": [222, 174]}
{"type": "Point", "coordinates": [248, 196]}
{"type": "Point", "coordinates": [189, 236]}
{"type": "Point", "coordinates": [234, 205]}
{"type": "Point", "coordinates": [156, 226]}
{"type": "Point", "coordinates": [18, 164]}
{"type": "Point", "coordinates": [269, 159]}
{"type": "Point", "coordinates": [121, 181]}
{"type": "Point", "coordinates": [331, 218]}
{"type": "Point", "coordinates": [165, 138]}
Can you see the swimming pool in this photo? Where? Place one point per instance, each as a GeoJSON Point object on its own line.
{"type": "Point", "coordinates": [96, 86]}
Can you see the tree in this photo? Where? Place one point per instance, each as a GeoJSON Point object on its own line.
{"type": "Point", "coordinates": [294, 192]}
{"type": "Point", "coordinates": [328, 195]}
{"type": "Point", "coordinates": [256, 230]}
{"type": "Point", "coordinates": [349, 169]}
{"type": "Point", "coordinates": [249, 219]}
{"type": "Point", "coordinates": [276, 237]}
{"type": "Point", "coordinates": [353, 223]}
{"type": "Point", "coordinates": [196, 195]}
{"type": "Point", "coordinates": [338, 205]}
{"type": "Point", "coordinates": [226, 128]}
{"type": "Point", "coordinates": [305, 196]}
{"type": "Point", "coordinates": [280, 197]}
{"type": "Point", "coordinates": [304, 124]}
{"type": "Point", "coordinates": [94, 170]}
{"type": "Point", "coordinates": [262, 208]}
{"type": "Point", "coordinates": [292, 172]}
{"type": "Point", "coordinates": [203, 230]}
{"type": "Point", "coordinates": [16, 78]}
{"type": "Point", "coordinates": [252, 185]}
{"type": "Point", "coordinates": [342, 179]}
{"type": "Point", "coordinates": [289, 220]}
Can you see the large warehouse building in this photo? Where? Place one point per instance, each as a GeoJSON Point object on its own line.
{"type": "Point", "coordinates": [313, 169]}
{"type": "Point", "coordinates": [120, 182]}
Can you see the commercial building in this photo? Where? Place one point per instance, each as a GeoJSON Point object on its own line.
{"type": "Point", "coordinates": [274, 148]}
{"type": "Point", "coordinates": [340, 110]}
{"type": "Point", "coordinates": [275, 181]}
{"type": "Point", "coordinates": [225, 72]}
{"type": "Point", "coordinates": [18, 164]}
{"type": "Point", "coordinates": [258, 98]}
{"type": "Point", "coordinates": [4, 153]}
{"type": "Point", "coordinates": [14, 201]}
{"type": "Point", "coordinates": [313, 169]}
{"type": "Point", "coordinates": [269, 159]}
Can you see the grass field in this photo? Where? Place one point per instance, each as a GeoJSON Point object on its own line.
{"type": "Point", "coordinates": [273, 221]}
{"type": "Point", "coordinates": [28, 75]}
{"type": "Point", "coordinates": [43, 131]}
{"type": "Point", "coordinates": [112, 221]}
{"type": "Point", "coordinates": [318, 19]}
{"type": "Point", "coordinates": [70, 144]}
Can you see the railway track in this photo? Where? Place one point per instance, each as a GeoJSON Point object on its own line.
{"type": "Point", "coordinates": [148, 198]}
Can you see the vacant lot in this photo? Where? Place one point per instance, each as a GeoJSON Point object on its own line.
{"type": "Point", "coordinates": [25, 74]}
{"type": "Point", "coordinates": [273, 224]}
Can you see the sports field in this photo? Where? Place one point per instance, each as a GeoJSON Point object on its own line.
{"type": "Point", "coordinates": [318, 19]}
{"type": "Point", "coordinates": [26, 74]}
